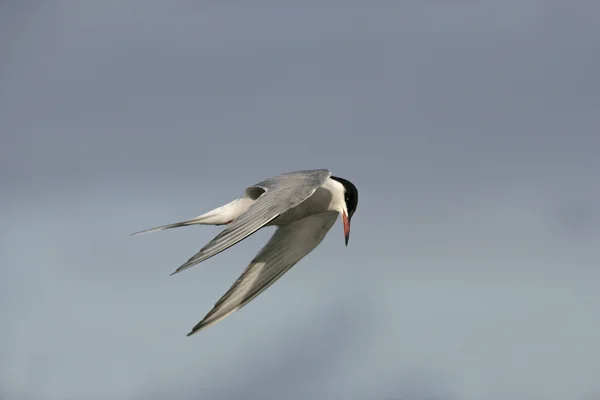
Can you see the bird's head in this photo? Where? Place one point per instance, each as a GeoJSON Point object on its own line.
{"type": "Point", "coordinates": [349, 206]}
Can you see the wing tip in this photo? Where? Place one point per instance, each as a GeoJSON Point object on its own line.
{"type": "Point", "coordinates": [199, 326]}
{"type": "Point", "coordinates": [178, 270]}
{"type": "Point", "coordinates": [182, 268]}
{"type": "Point", "coordinates": [210, 320]}
{"type": "Point", "coordinates": [192, 332]}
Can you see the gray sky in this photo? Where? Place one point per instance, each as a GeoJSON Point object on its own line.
{"type": "Point", "coordinates": [470, 128]}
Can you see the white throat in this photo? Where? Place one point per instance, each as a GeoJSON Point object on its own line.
{"type": "Point", "coordinates": [338, 192]}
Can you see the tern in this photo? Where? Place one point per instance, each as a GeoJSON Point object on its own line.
{"type": "Point", "coordinates": [303, 205]}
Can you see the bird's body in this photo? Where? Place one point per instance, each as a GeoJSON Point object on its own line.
{"type": "Point", "coordinates": [328, 197]}
{"type": "Point", "coordinates": [303, 205]}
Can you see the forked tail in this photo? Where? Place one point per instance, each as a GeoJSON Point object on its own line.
{"type": "Point", "coordinates": [219, 216]}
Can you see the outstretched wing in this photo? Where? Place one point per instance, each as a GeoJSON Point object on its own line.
{"type": "Point", "coordinates": [280, 194]}
{"type": "Point", "coordinates": [288, 245]}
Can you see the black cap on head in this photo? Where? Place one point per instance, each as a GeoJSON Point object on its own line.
{"type": "Point", "coordinates": [350, 196]}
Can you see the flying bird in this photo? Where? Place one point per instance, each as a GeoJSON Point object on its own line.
{"type": "Point", "coordinates": [303, 205]}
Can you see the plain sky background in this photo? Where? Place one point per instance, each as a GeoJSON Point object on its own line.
{"type": "Point", "coordinates": [471, 129]}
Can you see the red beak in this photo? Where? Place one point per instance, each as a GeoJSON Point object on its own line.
{"type": "Point", "coordinates": [346, 227]}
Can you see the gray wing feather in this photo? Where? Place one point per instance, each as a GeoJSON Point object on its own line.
{"type": "Point", "coordinates": [288, 245]}
{"type": "Point", "coordinates": [282, 192]}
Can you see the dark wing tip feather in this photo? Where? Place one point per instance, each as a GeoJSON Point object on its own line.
{"type": "Point", "coordinates": [185, 266]}
{"type": "Point", "coordinates": [199, 326]}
